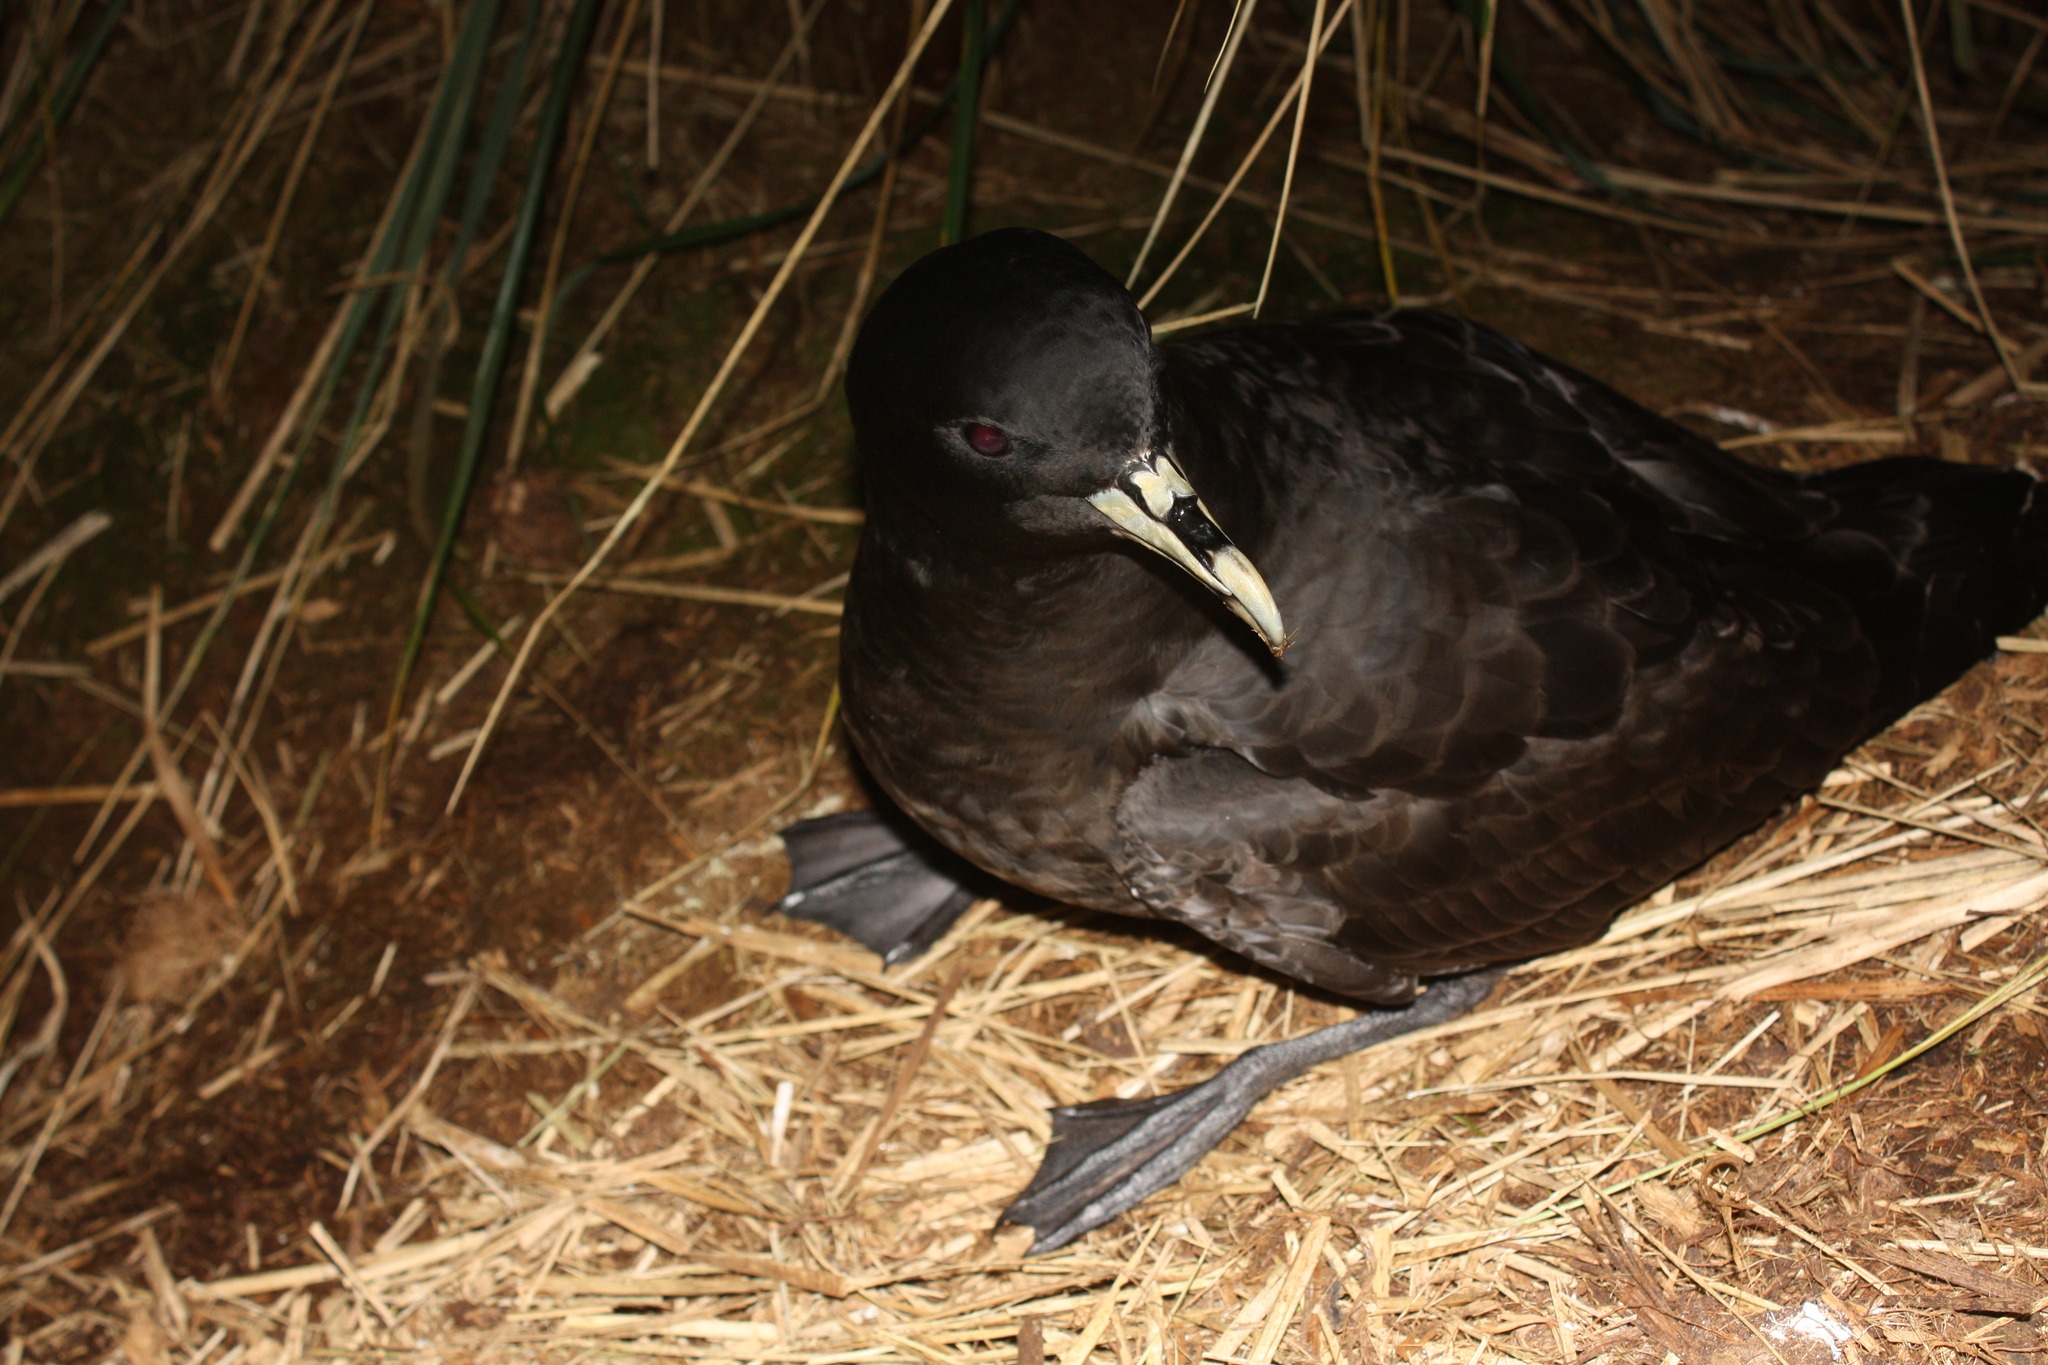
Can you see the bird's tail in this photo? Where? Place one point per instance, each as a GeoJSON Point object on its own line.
{"type": "Point", "coordinates": [1938, 559]}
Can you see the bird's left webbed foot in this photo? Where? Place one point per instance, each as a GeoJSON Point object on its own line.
{"type": "Point", "coordinates": [878, 879]}
{"type": "Point", "coordinates": [1106, 1156]}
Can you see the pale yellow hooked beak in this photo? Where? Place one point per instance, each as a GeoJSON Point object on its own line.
{"type": "Point", "coordinates": [1153, 504]}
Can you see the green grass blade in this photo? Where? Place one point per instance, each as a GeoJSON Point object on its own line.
{"type": "Point", "coordinates": [498, 338]}
{"type": "Point", "coordinates": [395, 254]}
{"type": "Point", "coordinates": [60, 106]}
{"type": "Point", "coordinates": [490, 153]}
{"type": "Point", "coordinates": [966, 110]}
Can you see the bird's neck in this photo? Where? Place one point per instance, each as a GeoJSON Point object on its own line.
{"type": "Point", "coordinates": [1011, 626]}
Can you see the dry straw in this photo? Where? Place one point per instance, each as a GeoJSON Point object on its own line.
{"type": "Point", "coordinates": [1350, 1191]}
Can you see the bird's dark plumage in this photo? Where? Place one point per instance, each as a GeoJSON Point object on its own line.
{"type": "Point", "coordinates": [1547, 650]}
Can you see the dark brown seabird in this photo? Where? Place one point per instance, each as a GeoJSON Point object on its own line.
{"type": "Point", "coordinates": [1487, 653]}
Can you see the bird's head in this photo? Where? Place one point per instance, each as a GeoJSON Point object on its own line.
{"type": "Point", "coordinates": [1007, 388]}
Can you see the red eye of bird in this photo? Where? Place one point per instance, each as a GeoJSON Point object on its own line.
{"type": "Point", "coordinates": [985, 439]}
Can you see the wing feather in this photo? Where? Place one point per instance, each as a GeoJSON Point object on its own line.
{"type": "Point", "coordinates": [1557, 650]}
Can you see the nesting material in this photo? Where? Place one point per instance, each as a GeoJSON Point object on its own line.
{"type": "Point", "coordinates": [811, 1169]}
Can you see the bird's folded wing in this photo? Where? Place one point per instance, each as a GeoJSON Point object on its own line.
{"type": "Point", "coordinates": [1523, 693]}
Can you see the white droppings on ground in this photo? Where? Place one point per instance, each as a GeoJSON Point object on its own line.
{"type": "Point", "coordinates": [1813, 1322]}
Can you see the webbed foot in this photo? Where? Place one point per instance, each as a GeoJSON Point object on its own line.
{"type": "Point", "coordinates": [880, 881]}
{"type": "Point", "coordinates": [1106, 1156]}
